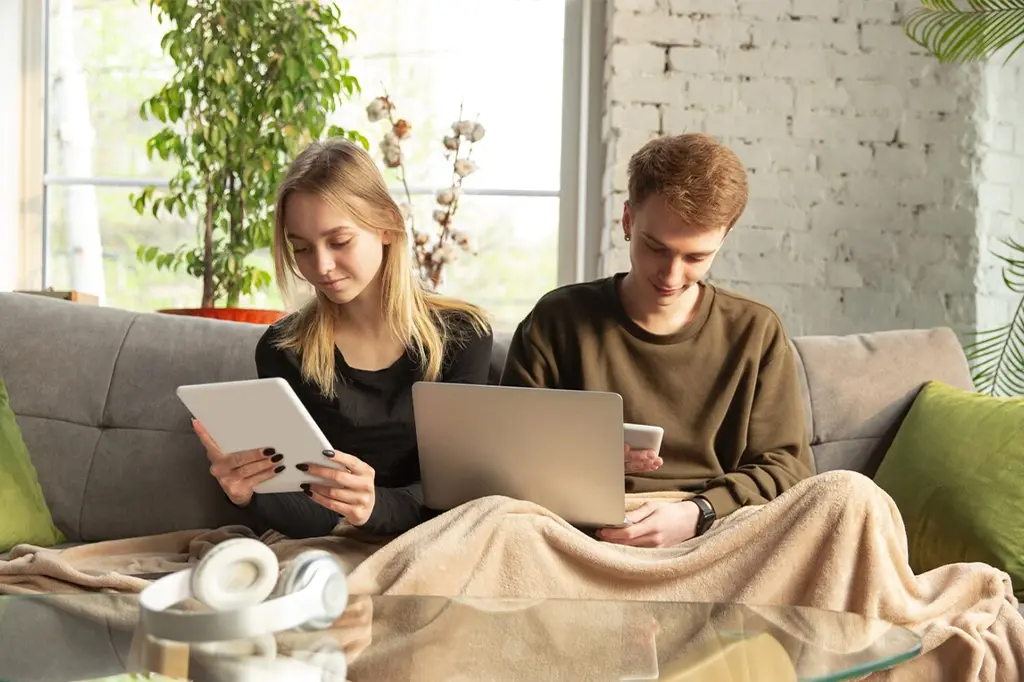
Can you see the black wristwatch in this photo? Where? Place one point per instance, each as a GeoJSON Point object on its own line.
{"type": "Point", "coordinates": [707, 515]}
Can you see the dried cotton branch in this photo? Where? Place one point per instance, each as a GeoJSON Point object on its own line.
{"type": "Point", "coordinates": [432, 251]}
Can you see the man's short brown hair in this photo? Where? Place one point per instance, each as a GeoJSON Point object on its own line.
{"type": "Point", "coordinates": [701, 179]}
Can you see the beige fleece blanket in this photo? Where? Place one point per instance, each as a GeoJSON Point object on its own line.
{"type": "Point", "coordinates": [119, 569]}
{"type": "Point", "coordinates": [835, 542]}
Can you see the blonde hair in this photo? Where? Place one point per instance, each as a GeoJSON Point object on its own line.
{"type": "Point", "coordinates": [701, 179]}
{"type": "Point", "coordinates": [338, 171]}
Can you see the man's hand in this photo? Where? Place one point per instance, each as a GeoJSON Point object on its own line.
{"type": "Point", "coordinates": [348, 637]}
{"type": "Point", "coordinates": [354, 628]}
{"type": "Point", "coordinates": [355, 498]}
{"type": "Point", "coordinates": [640, 461]}
{"type": "Point", "coordinates": [656, 524]}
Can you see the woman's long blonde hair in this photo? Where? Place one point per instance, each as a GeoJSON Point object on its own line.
{"type": "Point", "coordinates": [338, 171]}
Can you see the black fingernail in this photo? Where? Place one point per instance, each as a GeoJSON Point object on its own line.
{"type": "Point", "coordinates": [305, 486]}
{"type": "Point", "coordinates": [308, 492]}
{"type": "Point", "coordinates": [302, 467]}
{"type": "Point", "coordinates": [277, 458]}
{"type": "Point", "coordinates": [328, 453]}
{"type": "Point", "coordinates": [278, 469]}
{"type": "Point", "coordinates": [268, 452]}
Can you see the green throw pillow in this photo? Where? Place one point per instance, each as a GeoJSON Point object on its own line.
{"type": "Point", "coordinates": [956, 472]}
{"type": "Point", "coordinates": [25, 518]}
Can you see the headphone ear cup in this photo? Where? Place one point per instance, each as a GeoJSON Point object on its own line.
{"type": "Point", "coordinates": [317, 569]}
{"type": "Point", "coordinates": [235, 574]}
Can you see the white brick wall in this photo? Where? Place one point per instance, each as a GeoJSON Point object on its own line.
{"type": "Point", "coordinates": [1001, 171]}
{"type": "Point", "coordinates": [860, 147]}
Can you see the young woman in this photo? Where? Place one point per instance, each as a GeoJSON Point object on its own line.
{"type": "Point", "coordinates": [353, 352]}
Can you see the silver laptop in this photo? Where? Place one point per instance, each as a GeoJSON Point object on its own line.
{"type": "Point", "coordinates": [560, 449]}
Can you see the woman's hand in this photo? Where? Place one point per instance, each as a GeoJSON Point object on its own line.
{"type": "Point", "coordinates": [354, 498]}
{"type": "Point", "coordinates": [238, 472]}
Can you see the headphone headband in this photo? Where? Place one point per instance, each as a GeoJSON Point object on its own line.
{"type": "Point", "coordinates": [233, 580]}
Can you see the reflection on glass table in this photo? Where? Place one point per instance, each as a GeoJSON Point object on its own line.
{"type": "Point", "coordinates": [88, 637]}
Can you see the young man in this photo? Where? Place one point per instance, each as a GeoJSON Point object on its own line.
{"type": "Point", "coordinates": [711, 367]}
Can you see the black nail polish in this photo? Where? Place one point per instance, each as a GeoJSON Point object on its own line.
{"type": "Point", "coordinates": [305, 487]}
{"type": "Point", "coordinates": [277, 458]}
{"type": "Point", "coordinates": [308, 492]}
{"type": "Point", "coordinates": [268, 452]}
{"type": "Point", "coordinates": [328, 453]}
{"type": "Point", "coordinates": [302, 467]}
{"type": "Point", "coordinates": [279, 469]}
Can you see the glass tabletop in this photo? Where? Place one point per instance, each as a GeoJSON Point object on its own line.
{"type": "Point", "coordinates": [68, 638]}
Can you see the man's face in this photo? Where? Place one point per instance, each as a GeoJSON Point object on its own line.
{"type": "Point", "coordinates": [667, 255]}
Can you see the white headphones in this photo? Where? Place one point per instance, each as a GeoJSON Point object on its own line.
{"type": "Point", "coordinates": [234, 579]}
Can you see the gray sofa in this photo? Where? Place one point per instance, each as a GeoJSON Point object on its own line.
{"type": "Point", "coordinates": [94, 393]}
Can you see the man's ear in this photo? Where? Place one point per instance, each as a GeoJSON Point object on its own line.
{"type": "Point", "coordinates": [627, 221]}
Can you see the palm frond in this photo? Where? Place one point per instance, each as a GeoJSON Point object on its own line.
{"type": "Point", "coordinates": [996, 356]}
{"type": "Point", "coordinates": [1013, 271]}
{"type": "Point", "coordinates": [957, 33]}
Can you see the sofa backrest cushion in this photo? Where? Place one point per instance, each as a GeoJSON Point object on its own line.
{"type": "Point", "coordinates": [859, 387]}
{"type": "Point", "coordinates": [94, 394]}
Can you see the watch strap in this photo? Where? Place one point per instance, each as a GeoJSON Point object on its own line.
{"type": "Point", "coordinates": [707, 514]}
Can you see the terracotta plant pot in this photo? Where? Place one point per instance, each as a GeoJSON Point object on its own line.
{"type": "Point", "coordinates": [250, 315]}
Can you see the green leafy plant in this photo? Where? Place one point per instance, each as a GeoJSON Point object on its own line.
{"type": "Point", "coordinates": [972, 31]}
{"type": "Point", "coordinates": [997, 355]}
{"type": "Point", "coordinates": [255, 81]}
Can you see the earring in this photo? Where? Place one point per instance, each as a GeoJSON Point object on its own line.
{"type": "Point", "coordinates": [626, 237]}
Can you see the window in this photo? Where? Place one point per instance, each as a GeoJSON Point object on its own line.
{"type": "Point", "coordinates": [504, 66]}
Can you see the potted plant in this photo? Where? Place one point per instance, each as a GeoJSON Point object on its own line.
{"type": "Point", "coordinates": [254, 82]}
{"type": "Point", "coordinates": [969, 34]}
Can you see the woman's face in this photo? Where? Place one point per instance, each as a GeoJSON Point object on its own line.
{"type": "Point", "coordinates": [333, 252]}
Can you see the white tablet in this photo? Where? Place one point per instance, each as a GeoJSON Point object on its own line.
{"type": "Point", "coordinates": [261, 413]}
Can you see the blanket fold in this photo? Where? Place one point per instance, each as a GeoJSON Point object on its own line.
{"type": "Point", "coordinates": [835, 542]}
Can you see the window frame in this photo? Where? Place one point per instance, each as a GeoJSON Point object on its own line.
{"type": "Point", "coordinates": [582, 156]}
{"type": "Point", "coordinates": [581, 220]}
{"type": "Point", "coordinates": [28, 102]}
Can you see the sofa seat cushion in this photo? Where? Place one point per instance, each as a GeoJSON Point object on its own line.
{"type": "Point", "coordinates": [26, 517]}
{"type": "Point", "coordinates": [956, 472]}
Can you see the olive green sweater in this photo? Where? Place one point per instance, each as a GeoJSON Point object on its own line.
{"type": "Point", "coordinates": [725, 388]}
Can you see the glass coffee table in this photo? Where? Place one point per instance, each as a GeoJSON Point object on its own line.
{"type": "Point", "coordinates": [88, 637]}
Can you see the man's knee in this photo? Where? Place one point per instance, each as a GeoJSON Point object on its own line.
{"type": "Point", "coordinates": [847, 488]}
